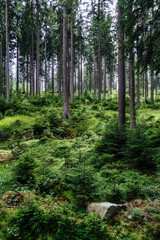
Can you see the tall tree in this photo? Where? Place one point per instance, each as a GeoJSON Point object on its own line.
{"type": "Point", "coordinates": [121, 66]}
{"type": "Point", "coordinates": [7, 53]}
{"type": "Point", "coordinates": [37, 62]}
{"type": "Point", "coordinates": [66, 111]}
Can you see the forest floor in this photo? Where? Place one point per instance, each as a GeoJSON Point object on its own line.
{"type": "Point", "coordinates": [52, 168]}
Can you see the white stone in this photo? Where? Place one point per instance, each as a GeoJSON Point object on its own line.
{"type": "Point", "coordinates": [105, 209]}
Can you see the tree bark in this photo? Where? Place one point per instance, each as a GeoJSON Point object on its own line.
{"type": "Point", "coordinates": [146, 86]}
{"type": "Point", "coordinates": [81, 76]}
{"type": "Point", "coordinates": [104, 89]}
{"type": "Point", "coordinates": [90, 76]}
{"type": "Point", "coordinates": [53, 75]}
{"type": "Point", "coordinates": [79, 92]}
{"type": "Point", "coordinates": [27, 76]}
{"type": "Point", "coordinates": [72, 60]}
{"type": "Point", "coordinates": [45, 67]}
{"type": "Point", "coordinates": [110, 82]}
{"type": "Point", "coordinates": [7, 54]}
{"type": "Point", "coordinates": [1, 69]}
{"type": "Point", "coordinates": [152, 89]}
{"type": "Point", "coordinates": [37, 50]}
{"type": "Point", "coordinates": [66, 112]}
{"type": "Point", "coordinates": [17, 66]}
{"type": "Point", "coordinates": [156, 84]}
{"type": "Point", "coordinates": [132, 90]}
{"type": "Point", "coordinates": [32, 58]}
{"type": "Point", "coordinates": [94, 75]}
{"type": "Point", "coordinates": [121, 68]}
{"type": "Point", "coordinates": [60, 60]}
{"type": "Point", "coordinates": [138, 89]}
{"type": "Point", "coordinates": [99, 56]}
{"type": "Point", "coordinates": [143, 84]}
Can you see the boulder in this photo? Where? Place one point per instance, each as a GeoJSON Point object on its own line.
{"type": "Point", "coordinates": [5, 155]}
{"type": "Point", "coordinates": [105, 209]}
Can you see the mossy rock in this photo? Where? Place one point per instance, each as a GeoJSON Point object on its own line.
{"type": "Point", "coordinates": [5, 155]}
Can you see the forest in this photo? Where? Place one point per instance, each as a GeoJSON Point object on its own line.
{"type": "Point", "coordinates": [79, 120]}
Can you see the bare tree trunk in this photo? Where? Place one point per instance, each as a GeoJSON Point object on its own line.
{"type": "Point", "coordinates": [132, 90]}
{"type": "Point", "coordinates": [37, 62]}
{"type": "Point", "coordinates": [17, 66]}
{"type": "Point", "coordinates": [94, 75]}
{"type": "Point", "coordinates": [66, 112]}
{"type": "Point", "coordinates": [104, 89]}
{"type": "Point", "coordinates": [23, 82]}
{"type": "Point", "coordinates": [7, 54]}
{"type": "Point", "coordinates": [60, 61]}
{"type": "Point", "coordinates": [121, 68]}
{"type": "Point", "coordinates": [81, 76]}
{"type": "Point", "coordinates": [99, 56]}
{"type": "Point", "coordinates": [53, 75]}
{"type": "Point", "coordinates": [75, 83]}
{"type": "Point", "coordinates": [146, 86]}
{"type": "Point", "coordinates": [59, 75]}
{"type": "Point", "coordinates": [1, 69]}
{"type": "Point", "coordinates": [90, 76]}
{"type": "Point", "coordinates": [79, 92]}
{"type": "Point", "coordinates": [138, 89]}
{"type": "Point", "coordinates": [152, 89]}
{"type": "Point", "coordinates": [32, 57]}
{"type": "Point", "coordinates": [68, 68]}
{"type": "Point", "coordinates": [156, 84]}
{"type": "Point", "coordinates": [45, 67]}
{"type": "Point", "coordinates": [110, 81]}
{"type": "Point", "coordinates": [27, 75]}
{"type": "Point", "coordinates": [143, 84]}
{"type": "Point", "coordinates": [72, 60]}
{"type": "Point", "coordinates": [4, 82]}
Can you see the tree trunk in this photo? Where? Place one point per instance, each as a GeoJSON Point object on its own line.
{"type": "Point", "coordinates": [121, 68]}
{"type": "Point", "coordinates": [17, 66]}
{"type": "Point", "coordinates": [7, 54]}
{"type": "Point", "coordinates": [4, 81]}
{"type": "Point", "coordinates": [37, 62]}
{"type": "Point", "coordinates": [75, 83]}
{"type": "Point", "coordinates": [53, 75]}
{"type": "Point", "coordinates": [1, 69]}
{"type": "Point", "coordinates": [90, 76]}
{"type": "Point", "coordinates": [156, 84]}
{"type": "Point", "coordinates": [23, 82]}
{"type": "Point", "coordinates": [94, 75]}
{"type": "Point", "coordinates": [45, 67]}
{"type": "Point", "coordinates": [27, 75]}
{"type": "Point", "coordinates": [152, 89]}
{"type": "Point", "coordinates": [68, 68]}
{"type": "Point", "coordinates": [104, 90]}
{"type": "Point", "coordinates": [66, 112]}
{"type": "Point", "coordinates": [146, 86]}
{"type": "Point", "coordinates": [79, 92]}
{"type": "Point", "coordinates": [72, 60]}
{"type": "Point", "coordinates": [110, 82]}
{"type": "Point", "coordinates": [138, 89]}
{"type": "Point", "coordinates": [99, 56]}
{"type": "Point", "coordinates": [32, 58]}
{"type": "Point", "coordinates": [81, 76]}
{"type": "Point", "coordinates": [132, 90]}
{"type": "Point", "coordinates": [60, 60]}
{"type": "Point", "coordinates": [143, 84]}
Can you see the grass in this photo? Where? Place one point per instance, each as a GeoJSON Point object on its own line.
{"type": "Point", "coordinates": [26, 120]}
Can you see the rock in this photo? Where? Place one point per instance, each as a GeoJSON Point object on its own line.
{"type": "Point", "coordinates": [105, 209]}
{"type": "Point", "coordinates": [5, 156]}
